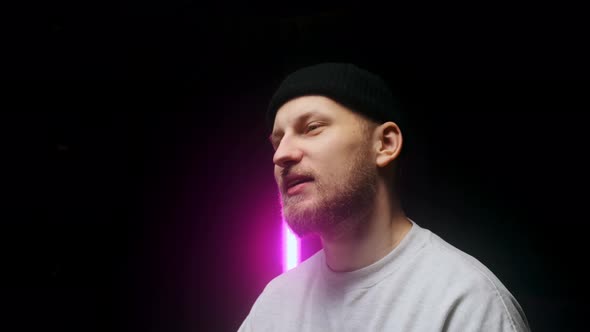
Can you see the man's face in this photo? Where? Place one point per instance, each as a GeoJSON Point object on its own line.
{"type": "Point", "coordinates": [324, 165]}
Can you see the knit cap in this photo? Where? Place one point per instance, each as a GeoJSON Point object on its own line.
{"type": "Point", "coordinates": [353, 87]}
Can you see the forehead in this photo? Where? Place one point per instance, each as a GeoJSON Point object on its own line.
{"type": "Point", "coordinates": [307, 107]}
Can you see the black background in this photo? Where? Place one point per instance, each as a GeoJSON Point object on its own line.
{"type": "Point", "coordinates": [137, 179]}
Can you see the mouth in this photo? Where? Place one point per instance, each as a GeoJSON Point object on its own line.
{"type": "Point", "coordinates": [296, 182]}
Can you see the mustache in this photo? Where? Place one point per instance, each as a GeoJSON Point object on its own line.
{"type": "Point", "coordinates": [287, 171]}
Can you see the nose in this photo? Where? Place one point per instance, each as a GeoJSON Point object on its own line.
{"type": "Point", "coordinates": [287, 153]}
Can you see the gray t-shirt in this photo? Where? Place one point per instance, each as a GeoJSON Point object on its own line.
{"type": "Point", "coordinates": [424, 284]}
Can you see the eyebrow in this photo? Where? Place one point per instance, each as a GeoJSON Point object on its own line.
{"type": "Point", "coordinates": [276, 135]}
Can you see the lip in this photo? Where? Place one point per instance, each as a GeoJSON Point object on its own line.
{"type": "Point", "coordinates": [298, 188]}
{"type": "Point", "coordinates": [294, 183]}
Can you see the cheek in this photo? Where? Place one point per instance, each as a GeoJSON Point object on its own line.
{"type": "Point", "coordinates": [334, 171]}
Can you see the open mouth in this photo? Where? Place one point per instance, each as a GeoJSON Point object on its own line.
{"type": "Point", "coordinates": [296, 182]}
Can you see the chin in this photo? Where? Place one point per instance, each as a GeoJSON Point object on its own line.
{"type": "Point", "coordinates": [302, 218]}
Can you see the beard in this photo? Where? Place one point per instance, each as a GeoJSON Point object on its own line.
{"type": "Point", "coordinates": [336, 206]}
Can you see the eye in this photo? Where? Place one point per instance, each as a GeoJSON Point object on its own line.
{"type": "Point", "coordinates": [312, 126]}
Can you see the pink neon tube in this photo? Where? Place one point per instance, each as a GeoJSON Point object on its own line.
{"type": "Point", "coordinates": [290, 248]}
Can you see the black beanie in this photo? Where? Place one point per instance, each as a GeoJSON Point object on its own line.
{"type": "Point", "coordinates": [355, 88]}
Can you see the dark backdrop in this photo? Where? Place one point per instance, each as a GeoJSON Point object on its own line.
{"type": "Point", "coordinates": [137, 188]}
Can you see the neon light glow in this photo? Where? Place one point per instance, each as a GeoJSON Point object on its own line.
{"type": "Point", "coordinates": [290, 248]}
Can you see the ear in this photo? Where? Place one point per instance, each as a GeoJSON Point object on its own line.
{"type": "Point", "coordinates": [388, 143]}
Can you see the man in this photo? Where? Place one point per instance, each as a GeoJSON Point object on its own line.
{"type": "Point", "coordinates": [336, 160]}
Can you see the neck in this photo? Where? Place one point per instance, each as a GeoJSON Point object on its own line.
{"type": "Point", "coordinates": [371, 237]}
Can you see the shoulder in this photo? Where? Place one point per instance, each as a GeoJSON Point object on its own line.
{"type": "Point", "coordinates": [292, 282]}
{"type": "Point", "coordinates": [474, 294]}
{"type": "Point", "coordinates": [462, 268]}
{"type": "Point", "coordinates": [271, 305]}
{"type": "Point", "coordinates": [299, 274]}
